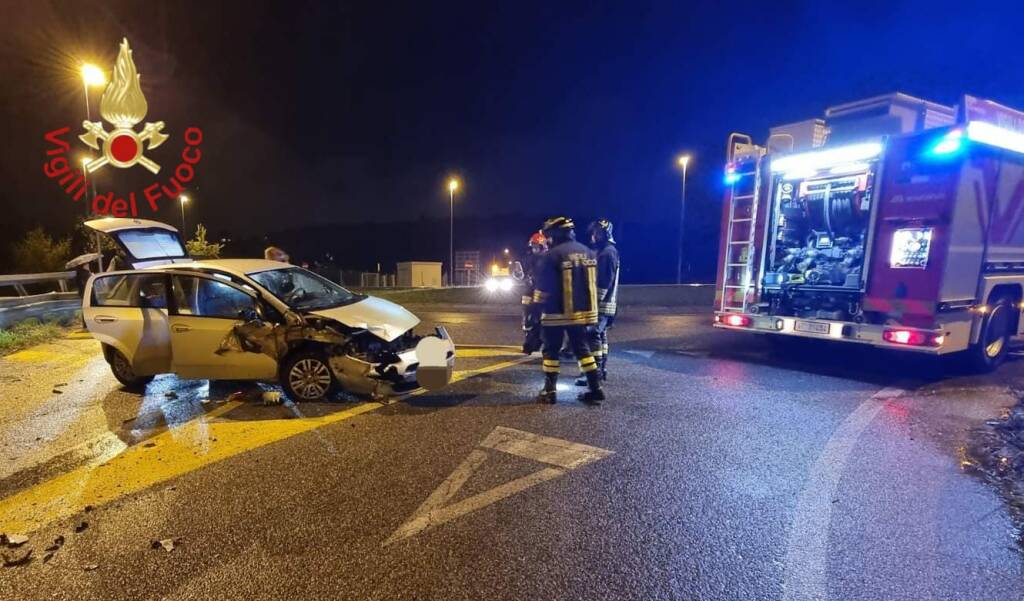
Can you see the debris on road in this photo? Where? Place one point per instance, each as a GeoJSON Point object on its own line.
{"type": "Point", "coordinates": [81, 527]}
{"type": "Point", "coordinates": [995, 452]}
{"type": "Point", "coordinates": [57, 391]}
{"type": "Point", "coordinates": [90, 567]}
{"type": "Point", "coordinates": [16, 559]}
{"type": "Point", "coordinates": [271, 397]}
{"type": "Point", "coordinates": [15, 540]}
{"type": "Point", "coordinates": [50, 551]}
{"type": "Point", "coordinates": [167, 544]}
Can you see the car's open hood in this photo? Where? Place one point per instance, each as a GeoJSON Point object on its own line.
{"type": "Point", "coordinates": [382, 318]}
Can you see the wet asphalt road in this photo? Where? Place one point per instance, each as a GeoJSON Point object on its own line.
{"type": "Point", "coordinates": [723, 467]}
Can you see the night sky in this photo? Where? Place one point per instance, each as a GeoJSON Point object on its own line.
{"type": "Point", "coordinates": [328, 112]}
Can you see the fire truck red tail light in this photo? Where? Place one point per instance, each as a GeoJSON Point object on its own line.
{"type": "Point", "coordinates": [913, 338]}
{"type": "Point", "coordinates": [736, 321]}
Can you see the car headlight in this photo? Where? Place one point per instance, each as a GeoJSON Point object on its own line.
{"type": "Point", "coordinates": [491, 284]}
{"type": "Point", "coordinates": [910, 247]}
{"type": "Point", "coordinates": [506, 285]}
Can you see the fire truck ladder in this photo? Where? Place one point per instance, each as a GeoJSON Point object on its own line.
{"type": "Point", "coordinates": [738, 280]}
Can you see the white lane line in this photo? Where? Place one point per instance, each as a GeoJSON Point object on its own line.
{"type": "Point", "coordinates": [644, 354]}
{"type": "Point", "coordinates": [806, 567]}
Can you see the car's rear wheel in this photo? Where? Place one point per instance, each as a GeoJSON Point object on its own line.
{"type": "Point", "coordinates": [306, 376]}
{"type": "Point", "coordinates": [122, 370]}
{"type": "Point", "coordinates": [994, 338]}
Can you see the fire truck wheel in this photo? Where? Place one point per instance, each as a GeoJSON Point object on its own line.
{"type": "Point", "coordinates": [994, 339]}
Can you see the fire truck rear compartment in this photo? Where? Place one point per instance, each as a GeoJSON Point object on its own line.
{"type": "Point", "coordinates": [815, 256]}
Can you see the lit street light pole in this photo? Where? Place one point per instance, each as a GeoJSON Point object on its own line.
{"type": "Point", "coordinates": [683, 161]}
{"type": "Point", "coordinates": [91, 76]}
{"type": "Point", "coordinates": [453, 185]}
{"type": "Point", "coordinates": [183, 200]}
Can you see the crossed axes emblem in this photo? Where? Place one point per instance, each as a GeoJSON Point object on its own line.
{"type": "Point", "coordinates": [122, 147]}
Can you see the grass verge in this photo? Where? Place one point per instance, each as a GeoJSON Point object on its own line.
{"type": "Point", "coordinates": [29, 333]}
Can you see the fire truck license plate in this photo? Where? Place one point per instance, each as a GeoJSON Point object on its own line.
{"type": "Point", "coordinates": [813, 327]}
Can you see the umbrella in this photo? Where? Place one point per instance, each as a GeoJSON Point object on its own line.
{"type": "Point", "coordinates": [82, 260]}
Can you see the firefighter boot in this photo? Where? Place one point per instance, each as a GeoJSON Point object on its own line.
{"type": "Point", "coordinates": [549, 394]}
{"type": "Point", "coordinates": [595, 395]}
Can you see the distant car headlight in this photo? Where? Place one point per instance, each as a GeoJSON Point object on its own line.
{"type": "Point", "coordinates": [506, 285]}
{"type": "Point", "coordinates": [492, 285]}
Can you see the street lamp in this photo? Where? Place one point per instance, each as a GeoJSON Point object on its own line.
{"type": "Point", "coordinates": [453, 185]}
{"type": "Point", "coordinates": [92, 76]}
{"type": "Point", "coordinates": [183, 200]}
{"type": "Point", "coordinates": [682, 161]}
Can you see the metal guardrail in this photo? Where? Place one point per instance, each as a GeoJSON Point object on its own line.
{"type": "Point", "coordinates": [59, 304]}
{"type": "Point", "coordinates": [19, 281]}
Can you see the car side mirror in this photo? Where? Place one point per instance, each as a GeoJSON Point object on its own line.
{"type": "Point", "coordinates": [249, 314]}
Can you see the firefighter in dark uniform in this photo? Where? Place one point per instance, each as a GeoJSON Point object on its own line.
{"type": "Point", "coordinates": [607, 292]}
{"type": "Point", "coordinates": [538, 245]}
{"type": "Point", "coordinates": [567, 293]}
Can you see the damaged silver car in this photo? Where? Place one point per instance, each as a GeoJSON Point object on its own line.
{"type": "Point", "coordinates": [251, 319]}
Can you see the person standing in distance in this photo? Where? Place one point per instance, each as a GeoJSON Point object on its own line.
{"type": "Point", "coordinates": [603, 243]}
{"type": "Point", "coordinates": [567, 294]}
{"type": "Point", "coordinates": [538, 245]}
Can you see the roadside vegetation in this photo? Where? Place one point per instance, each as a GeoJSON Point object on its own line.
{"type": "Point", "coordinates": [38, 252]}
{"type": "Point", "coordinates": [995, 452]}
{"type": "Point", "coordinates": [29, 333]}
{"type": "Point", "coordinates": [200, 248]}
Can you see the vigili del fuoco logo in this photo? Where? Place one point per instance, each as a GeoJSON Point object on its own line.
{"type": "Point", "coordinates": [123, 106]}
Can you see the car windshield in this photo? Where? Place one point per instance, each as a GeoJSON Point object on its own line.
{"type": "Point", "coordinates": [303, 290]}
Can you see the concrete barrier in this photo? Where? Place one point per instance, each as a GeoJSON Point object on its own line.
{"type": "Point", "coordinates": [686, 295]}
{"type": "Point", "coordinates": [669, 295]}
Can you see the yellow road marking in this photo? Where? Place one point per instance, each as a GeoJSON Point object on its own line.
{"type": "Point", "coordinates": [34, 355]}
{"type": "Point", "coordinates": [484, 352]}
{"type": "Point", "coordinates": [169, 454]}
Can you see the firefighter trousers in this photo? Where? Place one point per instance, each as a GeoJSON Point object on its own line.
{"type": "Point", "coordinates": [552, 337]}
{"type": "Point", "coordinates": [597, 338]}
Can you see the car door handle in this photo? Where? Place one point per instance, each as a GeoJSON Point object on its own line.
{"type": "Point", "coordinates": [104, 319]}
{"type": "Point", "coordinates": [181, 328]}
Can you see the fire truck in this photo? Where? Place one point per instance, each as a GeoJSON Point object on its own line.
{"type": "Point", "coordinates": [893, 222]}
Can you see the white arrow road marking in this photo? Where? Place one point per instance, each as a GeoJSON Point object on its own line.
{"type": "Point", "coordinates": [561, 455]}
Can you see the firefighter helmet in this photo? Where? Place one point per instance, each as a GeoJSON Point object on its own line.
{"type": "Point", "coordinates": [558, 223]}
{"type": "Point", "coordinates": [538, 239]}
{"type": "Point", "coordinates": [601, 230]}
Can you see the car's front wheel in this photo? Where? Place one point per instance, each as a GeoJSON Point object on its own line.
{"type": "Point", "coordinates": [122, 370]}
{"type": "Point", "coordinates": [306, 376]}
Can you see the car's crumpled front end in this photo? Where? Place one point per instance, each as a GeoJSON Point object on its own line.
{"type": "Point", "coordinates": [368, 360]}
{"type": "Point", "coordinates": [379, 368]}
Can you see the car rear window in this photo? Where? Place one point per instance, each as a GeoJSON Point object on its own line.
{"type": "Point", "coordinates": [151, 244]}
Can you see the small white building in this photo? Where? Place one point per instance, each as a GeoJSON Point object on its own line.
{"type": "Point", "coordinates": [419, 274]}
